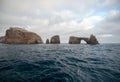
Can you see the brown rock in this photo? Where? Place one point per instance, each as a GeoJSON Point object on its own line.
{"type": "Point", "coordinates": [77, 40]}
{"type": "Point", "coordinates": [55, 39]}
{"type": "Point", "coordinates": [47, 41]}
{"type": "Point", "coordinates": [74, 40]}
{"type": "Point", "coordinates": [15, 35]}
{"type": "Point", "coordinates": [92, 40]}
{"type": "Point", "coordinates": [2, 39]}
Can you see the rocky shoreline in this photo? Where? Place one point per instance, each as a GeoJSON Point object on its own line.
{"type": "Point", "coordinates": [16, 35]}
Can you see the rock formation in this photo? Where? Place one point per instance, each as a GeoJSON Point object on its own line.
{"type": "Point", "coordinates": [15, 35]}
{"type": "Point", "coordinates": [55, 39]}
{"type": "Point", "coordinates": [74, 40]}
{"type": "Point", "coordinates": [77, 40]}
{"type": "Point", "coordinates": [47, 41]}
{"type": "Point", "coordinates": [2, 39]}
{"type": "Point", "coordinates": [92, 40]}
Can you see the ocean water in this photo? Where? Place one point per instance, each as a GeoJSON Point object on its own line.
{"type": "Point", "coordinates": [59, 63]}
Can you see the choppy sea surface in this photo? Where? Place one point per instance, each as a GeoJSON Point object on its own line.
{"type": "Point", "coordinates": [59, 63]}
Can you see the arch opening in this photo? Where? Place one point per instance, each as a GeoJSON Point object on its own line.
{"type": "Point", "coordinates": [83, 42]}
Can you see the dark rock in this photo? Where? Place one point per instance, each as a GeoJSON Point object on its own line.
{"type": "Point", "coordinates": [47, 41]}
{"type": "Point", "coordinates": [15, 35]}
{"type": "Point", "coordinates": [55, 39]}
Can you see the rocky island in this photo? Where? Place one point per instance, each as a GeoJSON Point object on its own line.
{"type": "Point", "coordinates": [55, 39]}
{"type": "Point", "coordinates": [16, 35]}
{"type": "Point", "coordinates": [77, 40]}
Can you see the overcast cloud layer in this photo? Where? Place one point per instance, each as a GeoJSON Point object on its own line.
{"type": "Point", "coordinates": [64, 18]}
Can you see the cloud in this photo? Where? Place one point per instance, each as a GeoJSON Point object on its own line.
{"type": "Point", "coordinates": [65, 14]}
{"type": "Point", "coordinates": [30, 7]}
{"type": "Point", "coordinates": [113, 16]}
{"type": "Point", "coordinates": [106, 35]}
{"type": "Point", "coordinates": [63, 17]}
{"type": "Point", "coordinates": [111, 3]}
{"type": "Point", "coordinates": [112, 20]}
{"type": "Point", "coordinates": [109, 27]}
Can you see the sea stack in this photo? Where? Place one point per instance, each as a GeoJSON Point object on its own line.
{"type": "Point", "coordinates": [55, 39]}
{"type": "Point", "coordinates": [16, 35]}
{"type": "Point", "coordinates": [47, 41]}
{"type": "Point", "coordinates": [92, 40]}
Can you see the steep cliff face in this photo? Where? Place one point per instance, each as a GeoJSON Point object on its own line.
{"type": "Point", "coordinates": [55, 39]}
{"type": "Point", "coordinates": [15, 35]}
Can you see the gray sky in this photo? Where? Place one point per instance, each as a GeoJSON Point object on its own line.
{"type": "Point", "coordinates": [63, 17]}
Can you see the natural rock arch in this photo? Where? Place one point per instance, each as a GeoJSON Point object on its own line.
{"type": "Point", "coordinates": [84, 39]}
{"type": "Point", "coordinates": [77, 40]}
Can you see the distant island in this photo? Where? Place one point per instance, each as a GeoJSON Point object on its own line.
{"type": "Point", "coordinates": [77, 40]}
{"type": "Point", "coordinates": [16, 35]}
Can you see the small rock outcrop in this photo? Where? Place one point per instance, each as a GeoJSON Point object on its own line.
{"type": "Point", "coordinates": [16, 35]}
{"type": "Point", "coordinates": [47, 41]}
{"type": "Point", "coordinates": [55, 39]}
{"type": "Point", "coordinates": [77, 40]}
{"type": "Point", "coordinates": [92, 40]}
